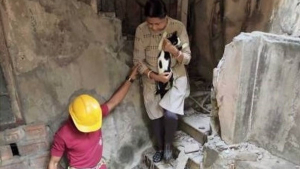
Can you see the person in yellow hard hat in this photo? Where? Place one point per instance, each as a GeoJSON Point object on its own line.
{"type": "Point", "coordinates": [80, 138]}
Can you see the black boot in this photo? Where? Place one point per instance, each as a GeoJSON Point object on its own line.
{"type": "Point", "coordinates": [158, 156]}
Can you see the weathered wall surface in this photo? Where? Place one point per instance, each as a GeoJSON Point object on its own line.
{"type": "Point", "coordinates": [131, 12]}
{"type": "Point", "coordinates": [258, 88]}
{"type": "Point", "coordinates": [286, 18]}
{"type": "Point", "coordinates": [206, 37]}
{"type": "Point", "coordinates": [62, 48]}
{"type": "Point", "coordinates": [215, 23]}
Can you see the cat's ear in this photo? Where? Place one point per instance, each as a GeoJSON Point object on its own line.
{"type": "Point", "coordinates": [174, 34]}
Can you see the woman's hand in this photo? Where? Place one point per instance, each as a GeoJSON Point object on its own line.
{"type": "Point", "coordinates": [168, 47]}
{"type": "Point", "coordinates": [164, 77]}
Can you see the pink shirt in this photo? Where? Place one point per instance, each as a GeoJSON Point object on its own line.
{"type": "Point", "coordinates": [83, 150]}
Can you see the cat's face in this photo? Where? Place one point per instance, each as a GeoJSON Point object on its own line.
{"type": "Point", "coordinates": [174, 39]}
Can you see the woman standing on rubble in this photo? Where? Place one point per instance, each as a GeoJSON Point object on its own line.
{"type": "Point", "coordinates": [164, 111]}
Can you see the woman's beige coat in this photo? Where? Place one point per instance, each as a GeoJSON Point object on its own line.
{"type": "Point", "coordinates": [146, 52]}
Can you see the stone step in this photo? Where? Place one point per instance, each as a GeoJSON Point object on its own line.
{"type": "Point", "coordinates": [189, 148]}
{"type": "Point", "coordinates": [196, 125]}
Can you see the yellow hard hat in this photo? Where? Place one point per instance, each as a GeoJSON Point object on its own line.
{"type": "Point", "coordinates": [86, 113]}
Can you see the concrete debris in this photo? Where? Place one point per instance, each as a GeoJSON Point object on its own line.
{"type": "Point", "coordinates": [217, 154]}
{"type": "Point", "coordinates": [189, 111]}
{"type": "Point", "coordinates": [247, 156]}
{"type": "Point", "coordinates": [189, 148]}
{"type": "Point", "coordinates": [201, 103]}
{"type": "Point", "coordinates": [181, 160]}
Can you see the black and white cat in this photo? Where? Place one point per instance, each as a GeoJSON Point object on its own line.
{"type": "Point", "coordinates": [164, 62]}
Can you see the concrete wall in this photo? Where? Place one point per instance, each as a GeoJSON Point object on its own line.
{"type": "Point", "coordinates": [258, 88]}
{"type": "Point", "coordinates": [59, 49]}
{"type": "Point", "coordinates": [215, 23]}
{"type": "Point", "coordinates": [206, 35]}
{"type": "Point", "coordinates": [131, 12]}
{"type": "Point", "coordinates": [286, 18]}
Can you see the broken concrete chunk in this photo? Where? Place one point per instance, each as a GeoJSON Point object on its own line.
{"type": "Point", "coordinates": [244, 155]}
{"type": "Point", "coordinates": [182, 160]}
{"type": "Point", "coordinates": [256, 89]}
{"type": "Point", "coordinates": [247, 156]}
{"type": "Point", "coordinates": [189, 148]}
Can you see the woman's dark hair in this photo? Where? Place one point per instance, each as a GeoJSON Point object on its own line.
{"type": "Point", "coordinates": [155, 9]}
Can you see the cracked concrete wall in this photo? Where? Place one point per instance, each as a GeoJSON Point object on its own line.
{"type": "Point", "coordinates": [214, 23]}
{"type": "Point", "coordinates": [257, 88]}
{"type": "Point", "coordinates": [60, 49]}
{"type": "Point", "coordinates": [286, 18]}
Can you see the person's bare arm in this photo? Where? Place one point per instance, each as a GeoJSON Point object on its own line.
{"type": "Point", "coordinates": [119, 95]}
{"type": "Point", "coordinates": [53, 162]}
